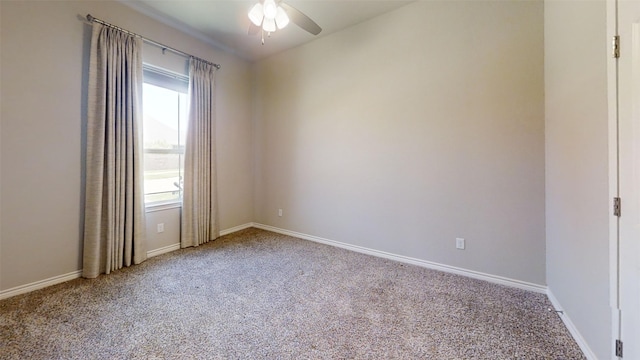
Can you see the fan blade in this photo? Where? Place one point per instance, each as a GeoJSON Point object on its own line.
{"type": "Point", "coordinates": [253, 29]}
{"type": "Point", "coordinates": [301, 19]}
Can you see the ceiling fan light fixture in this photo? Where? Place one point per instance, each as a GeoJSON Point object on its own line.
{"type": "Point", "coordinates": [269, 15]}
{"type": "Point", "coordinates": [256, 14]}
{"type": "Point", "coordinates": [282, 19]}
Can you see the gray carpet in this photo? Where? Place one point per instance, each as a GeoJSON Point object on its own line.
{"type": "Point", "coordinates": [259, 295]}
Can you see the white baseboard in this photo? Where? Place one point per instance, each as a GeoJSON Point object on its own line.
{"type": "Point", "coordinates": [174, 247]}
{"type": "Point", "coordinates": [23, 289]}
{"type": "Point", "coordinates": [163, 250]}
{"type": "Point", "coordinates": [409, 260]}
{"type": "Point", "coordinates": [236, 228]}
{"type": "Point", "coordinates": [582, 343]}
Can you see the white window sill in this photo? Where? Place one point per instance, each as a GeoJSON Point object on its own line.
{"type": "Point", "coordinates": [153, 207]}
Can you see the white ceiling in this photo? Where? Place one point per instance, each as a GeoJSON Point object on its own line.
{"type": "Point", "coordinates": [224, 23]}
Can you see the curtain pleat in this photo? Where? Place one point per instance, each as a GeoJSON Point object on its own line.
{"type": "Point", "coordinates": [199, 203]}
{"type": "Point", "coordinates": [114, 225]}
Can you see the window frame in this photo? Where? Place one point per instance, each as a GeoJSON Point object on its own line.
{"type": "Point", "coordinates": [163, 78]}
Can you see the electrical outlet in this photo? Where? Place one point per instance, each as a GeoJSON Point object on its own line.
{"type": "Point", "coordinates": [161, 227]}
{"type": "Point", "coordinates": [460, 243]}
{"type": "Point", "coordinates": [279, 212]}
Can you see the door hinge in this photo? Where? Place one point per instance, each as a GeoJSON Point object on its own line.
{"type": "Point", "coordinates": [618, 348]}
{"type": "Point", "coordinates": [616, 207]}
{"type": "Point", "coordinates": [615, 45]}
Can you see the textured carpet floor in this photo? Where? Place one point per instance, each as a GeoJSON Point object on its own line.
{"type": "Point", "coordinates": [256, 294]}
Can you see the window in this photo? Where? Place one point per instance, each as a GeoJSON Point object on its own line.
{"type": "Point", "coordinates": [164, 129]}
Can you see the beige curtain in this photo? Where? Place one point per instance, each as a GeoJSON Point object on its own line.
{"type": "Point", "coordinates": [199, 203]}
{"type": "Point", "coordinates": [114, 224]}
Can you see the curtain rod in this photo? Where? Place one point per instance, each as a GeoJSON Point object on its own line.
{"type": "Point", "coordinates": [164, 47]}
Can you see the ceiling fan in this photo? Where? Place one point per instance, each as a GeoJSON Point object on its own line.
{"type": "Point", "coordinates": [269, 15]}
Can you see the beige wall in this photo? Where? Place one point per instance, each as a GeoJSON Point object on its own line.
{"type": "Point", "coordinates": [43, 76]}
{"type": "Point", "coordinates": [409, 130]}
{"type": "Point", "coordinates": [577, 201]}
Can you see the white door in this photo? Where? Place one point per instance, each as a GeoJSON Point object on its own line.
{"type": "Point", "coordinates": [629, 175]}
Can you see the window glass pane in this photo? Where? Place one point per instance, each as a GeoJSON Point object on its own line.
{"type": "Point", "coordinates": [164, 125]}
{"type": "Point", "coordinates": [162, 177]}
{"type": "Point", "coordinates": [183, 118]}
{"type": "Point", "coordinates": [161, 118]}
